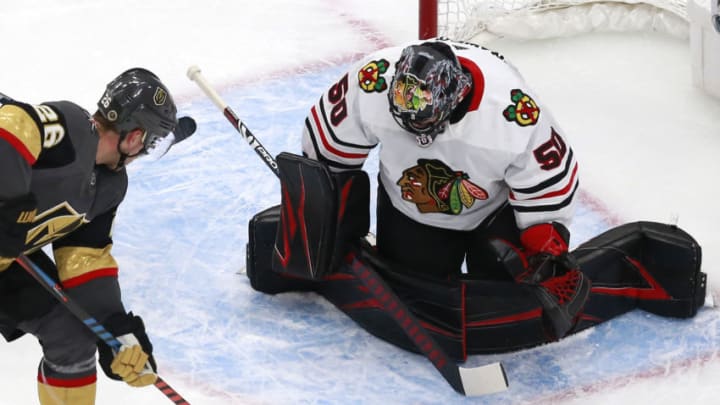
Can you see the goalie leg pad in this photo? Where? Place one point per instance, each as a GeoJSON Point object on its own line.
{"type": "Point", "coordinates": [648, 265]}
{"type": "Point", "coordinates": [321, 214]}
{"type": "Point", "coordinates": [438, 305]}
{"type": "Point", "coordinates": [262, 231]}
{"type": "Point", "coordinates": [463, 316]}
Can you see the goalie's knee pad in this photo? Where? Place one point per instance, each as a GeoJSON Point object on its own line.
{"type": "Point", "coordinates": [648, 265]}
{"type": "Point", "coordinates": [322, 214]}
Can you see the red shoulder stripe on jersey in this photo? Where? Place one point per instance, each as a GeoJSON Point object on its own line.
{"type": "Point", "coordinates": [18, 146]}
{"type": "Point", "coordinates": [69, 383]}
{"type": "Point", "coordinates": [327, 145]}
{"type": "Point", "coordinates": [92, 275]}
{"type": "Point", "coordinates": [478, 81]}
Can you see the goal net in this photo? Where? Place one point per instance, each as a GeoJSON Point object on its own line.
{"type": "Point", "coordinates": [483, 20]}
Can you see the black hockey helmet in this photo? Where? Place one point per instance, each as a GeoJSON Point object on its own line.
{"type": "Point", "coordinates": [427, 86]}
{"type": "Point", "coordinates": [138, 99]}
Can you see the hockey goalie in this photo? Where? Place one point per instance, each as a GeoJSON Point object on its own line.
{"type": "Point", "coordinates": [477, 187]}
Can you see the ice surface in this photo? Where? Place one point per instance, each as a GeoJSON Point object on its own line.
{"type": "Point", "coordinates": [647, 142]}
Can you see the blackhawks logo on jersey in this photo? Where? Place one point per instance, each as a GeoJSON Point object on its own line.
{"type": "Point", "coordinates": [524, 112]}
{"type": "Point", "coordinates": [434, 187]}
{"type": "Point", "coordinates": [369, 76]}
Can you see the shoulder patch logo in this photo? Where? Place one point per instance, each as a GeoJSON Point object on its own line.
{"type": "Point", "coordinates": [434, 187]}
{"type": "Point", "coordinates": [369, 77]}
{"type": "Point", "coordinates": [524, 112]}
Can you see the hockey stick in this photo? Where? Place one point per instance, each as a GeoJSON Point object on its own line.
{"type": "Point", "coordinates": [475, 381]}
{"type": "Point", "coordinates": [194, 74]}
{"type": "Point", "coordinates": [55, 289]}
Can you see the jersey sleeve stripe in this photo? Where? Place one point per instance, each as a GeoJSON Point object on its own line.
{"type": "Point", "coordinates": [326, 144]}
{"type": "Point", "coordinates": [20, 130]}
{"type": "Point", "coordinates": [552, 194]}
{"type": "Point", "coordinates": [332, 133]}
{"type": "Point", "coordinates": [319, 156]}
{"type": "Point", "coordinates": [84, 278]}
{"type": "Point", "coordinates": [549, 182]}
{"type": "Point", "coordinates": [19, 146]}
{"type": "Point", "coordinates": [84, 263]}
{"type": "Point", "coordinates": [547, 207]}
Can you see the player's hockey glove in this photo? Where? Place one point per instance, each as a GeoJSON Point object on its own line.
{"type": "Point", "coordinates": [545, 263]}
{"type": "Point", "coordinates": [16, 219]}
{"type": "Point", "coordinates": [134, 362]}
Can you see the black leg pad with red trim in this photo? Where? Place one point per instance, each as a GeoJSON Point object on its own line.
{"type": "Point", "coordinates": [646, 265]}
{"type": "Point", "coordinates": [437, 304]}
{"type": "Point", "coordinates": [322, 213]}
{"type": "Point", "coordinates": [262, 231]}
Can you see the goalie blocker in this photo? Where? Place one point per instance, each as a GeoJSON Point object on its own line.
{"type": "Point", "coordinates": [646, 265]}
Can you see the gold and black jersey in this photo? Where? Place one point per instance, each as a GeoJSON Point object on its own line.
{"type": "Point", "coordinates": [49, 150]}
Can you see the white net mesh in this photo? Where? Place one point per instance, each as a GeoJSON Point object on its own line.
{"type": "Point", "coordinates": [527, 19]}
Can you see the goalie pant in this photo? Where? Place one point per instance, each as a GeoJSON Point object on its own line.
{"type": "Point", "coordinates": [646, 265]}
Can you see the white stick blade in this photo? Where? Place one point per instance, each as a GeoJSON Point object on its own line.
{"type": "Point", "coordinates": [483, 380]}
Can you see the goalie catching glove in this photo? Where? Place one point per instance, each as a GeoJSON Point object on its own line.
{"type": "Point", "coordinates": [134, 362]}
{"type": "Point", "coordinates": [545, 264]}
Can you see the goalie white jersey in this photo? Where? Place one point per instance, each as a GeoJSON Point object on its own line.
{"type": "Point", "coordinates": [501, 145]}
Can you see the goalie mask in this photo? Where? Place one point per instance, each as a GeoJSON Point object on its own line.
{"type": "Point", "coordinates": [137, 99]}
{"type": "Point", "coordinates": [427, 86]}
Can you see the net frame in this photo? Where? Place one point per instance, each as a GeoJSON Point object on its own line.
{"type": "Point", "coordinates": [483, 20]}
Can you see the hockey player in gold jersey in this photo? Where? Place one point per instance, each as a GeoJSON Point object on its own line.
{"type": "Point", "coordinates": [63, 178]}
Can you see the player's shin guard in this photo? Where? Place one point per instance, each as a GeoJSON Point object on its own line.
{"type": "Point", "coordinates": [80, 394]}
{"type": "Point", "coordinates": [646, 265]}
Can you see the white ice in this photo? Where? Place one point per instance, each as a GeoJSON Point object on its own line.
{"type": "Point", "coordinates": [646, 138]}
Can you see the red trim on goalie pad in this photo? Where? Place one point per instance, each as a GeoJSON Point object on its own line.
{"type": "Point", "coordinates": [369, 303]}
{"type": "Point", "coordinates": [288, 233]}
{"type": "Point", "coordinates": [523, 316]}
{"type": "Point", "coordinates": [343, 198]}
{"type": "Point", "coordinates": [339, 276]}
{"type": "Point", "coordinates": [654, 292]}
{"type": "Point", "coordinates": [71, 383]}
{"type": "Point", "coordinates": [463, 319]}
{"type": "Point", "coordinates": [591, 318]}
{"type": "Point", "coordinates": [76, 281]}
{"type": "Point", "coordinates": [436, 329]}
{"type": "Point", "coordinates": [303, 225]}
